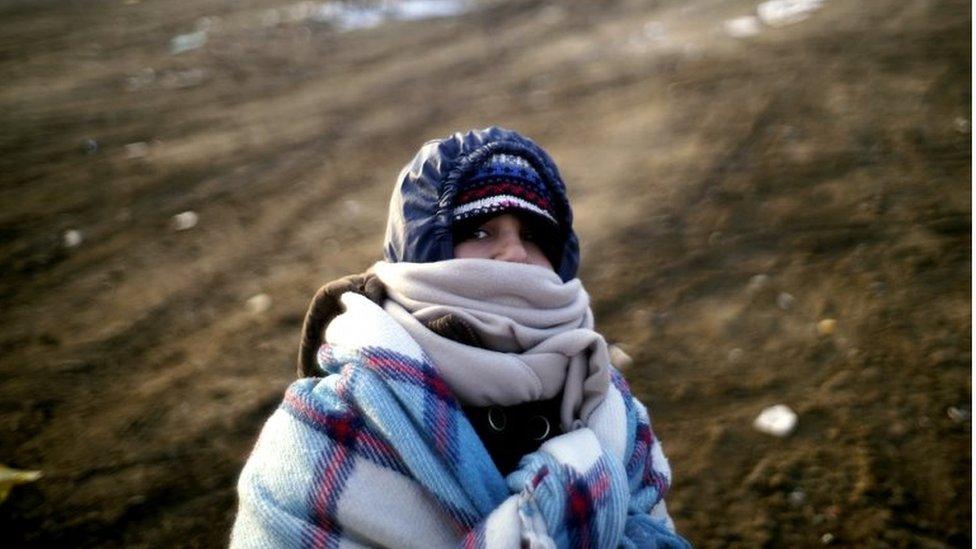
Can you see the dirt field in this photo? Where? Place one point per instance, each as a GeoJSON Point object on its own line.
{"type": "Point", "coordinates": [731, 194]}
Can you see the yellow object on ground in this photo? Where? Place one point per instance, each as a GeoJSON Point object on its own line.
{"type": "Point", "coordinates": [12, 477]}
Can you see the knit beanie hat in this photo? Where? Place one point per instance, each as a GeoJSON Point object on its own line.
{"type": "Point", "coordinates": [506, 183]}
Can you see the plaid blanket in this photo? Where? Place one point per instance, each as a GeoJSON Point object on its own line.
{"type": "Point", "coordinates": [379, 453]}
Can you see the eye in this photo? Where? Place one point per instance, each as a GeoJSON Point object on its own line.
{"type": "Point", "coordinates": [529, 235]}
{"type": "Point", "coordinates": [474, 234]}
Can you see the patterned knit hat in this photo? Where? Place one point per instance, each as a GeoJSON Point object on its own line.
{"type": "Point", "coordinates": [504, 183]}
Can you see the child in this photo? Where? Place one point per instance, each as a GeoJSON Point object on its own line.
{"type": "Point", "coordinates": [466, 397]}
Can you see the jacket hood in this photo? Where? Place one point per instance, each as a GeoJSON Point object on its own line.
{"type": "Point", "coordinates": [418, 229]}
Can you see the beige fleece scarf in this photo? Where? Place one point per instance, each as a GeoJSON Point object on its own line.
{"type": "Point", "coordinates": [538, 330]}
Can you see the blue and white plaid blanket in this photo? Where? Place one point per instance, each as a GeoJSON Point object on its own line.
{"type": "Point", "coordinates": [379, 453]}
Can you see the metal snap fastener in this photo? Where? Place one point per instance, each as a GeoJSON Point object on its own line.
{"type": "Point", "coordinates": [539, 424]}
{"type": "Point", "coordinates": [497, 419]}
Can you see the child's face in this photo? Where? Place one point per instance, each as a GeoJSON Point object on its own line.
{"type": "Point", "coordinates": [505, 238]}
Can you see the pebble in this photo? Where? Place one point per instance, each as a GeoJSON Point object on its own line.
{"type": "Point", "coordinates": [758, 282]}
{"type": "Point", "coordinates": [961, 124]}
{"type": "Point", "coordinates": [259, 303]}
{"type": "Point", "coordinates": [797, 497]}
{"type": "Point", "coordinates": [90, 146]}
{"type": "Point", "coordinates": [539, 98]}
{"type": "Point", "coordinates": [141, 80]}
{"type": "Point", "coordinates": [186, 220]}
{"type": "Point", "coordinates": [827, 538]}
{"type": "Point", "coordinates": [187, 42]}
{"type": "Point", "coordinates": [778, 13]}
{"type": "Point", "coordinates": [785, 301]}
{"type": "Point", "coordinates": [897, 429]}
{"type": "Point", "coordinates": [137, 499]}
{"type": "Point", "coordinates": [353, 207]}
{"type": "Point", "coordinates": [655, 30]}
{"type": "Point", "coordinates": [826, 326]}
{"type": "Point", "coordinates": [138, 149]}
{"type": "Point", "coordinates": [207, 23]}
{"type": "Point", "coordinates": [742, 27]}
{"type": "Point", "coordinates": [660, 318]}
{"type": "Point", "coordinates": [958, 415]}
{"type": "Point", "coordinates": [778, 420]}
{"type": "Point", "coordinates": [871, 372]}
{"type": "Point", "coordinates": [183, 79]}
{"type": "Point", "coordinates": [73, 238]}
{"type": "Point", "coordinates": [344, 18]}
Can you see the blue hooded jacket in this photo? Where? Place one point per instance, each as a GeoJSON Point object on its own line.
{"type": "Point", "coordinates": [418, 229]}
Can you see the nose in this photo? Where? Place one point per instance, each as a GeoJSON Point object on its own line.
{"type": "Point", "coordinates": [512, 249]}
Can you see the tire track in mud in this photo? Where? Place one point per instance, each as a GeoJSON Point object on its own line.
{"type": "Point", "coordinates": [117, 362]}
{"type": "Point", "coordinates": [885, 271]}
{"type": "Point", "coordinates": [143, 478]}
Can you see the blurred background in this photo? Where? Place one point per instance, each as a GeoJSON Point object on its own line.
{"type": "Point", "coordinates": [773, 199]}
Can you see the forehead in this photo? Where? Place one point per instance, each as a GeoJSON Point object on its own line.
{"type": "Point", "coordinates": [504, 218]}
{"type": "Point", "coordinates": [516, 220]}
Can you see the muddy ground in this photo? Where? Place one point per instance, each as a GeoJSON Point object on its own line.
{"type": "Point", "coordinates": [731, 194]}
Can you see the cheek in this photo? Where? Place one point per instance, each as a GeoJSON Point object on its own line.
{"type": "Point", "coordinates": [536, 257]}
{"type": "Point", "coordinates": [471, 249]}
